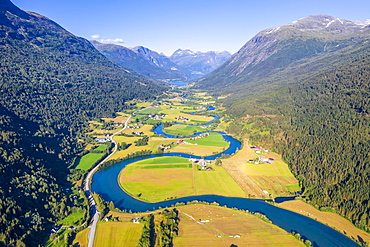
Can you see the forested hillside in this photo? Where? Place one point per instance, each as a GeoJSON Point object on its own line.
{"type": "Point", "coordinates": [51, 83]}
{"type": "Point", "coordinates": [134, 60]}
{"type": "Point", "coordinates": [328, 139]}
{"type": "Point", "coordinates": [314, 109]}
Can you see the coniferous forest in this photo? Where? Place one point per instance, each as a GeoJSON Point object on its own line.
{"type": "Point", "coordinates": [321, 126]}
{"type": "Point", "coordinates": [51, 83]}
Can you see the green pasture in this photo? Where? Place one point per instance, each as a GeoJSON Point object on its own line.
{"type": "Point", "coordinates": [162, 160]}
{"type": "Point", "coordinates": [101, 148]}
{"type": "Point", "coordinates": [151, 180]}
{"type": "Point", "coordinates": [118, 234]}
{"type": "Point", "coordinates": [217, 182]}
{"type": "Point", "coordinates": [71, 219]}
{"type": "Point", "coordinates": [150, 111]}
{"type": "Point", "coordinates": [88, 160]}
{"type": "Point", "coordinates": [167, 166]}
{"type": "Point", "coordinates": [182, 130]}
{"type": "Point", "coordinates": [293, 187]}
{"type": "Point", "coordinates": [213, 140]}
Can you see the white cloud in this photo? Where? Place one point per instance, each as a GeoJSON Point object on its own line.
{"type": "Point", "coordinates": [116, 40]}
{"type": "Point", "coordinates": [95, 36]}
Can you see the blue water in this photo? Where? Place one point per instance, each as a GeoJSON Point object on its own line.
{"type": "Point", "coordinates": [178, 83]}
{"type": "Point", "coordinates": [105, 183]}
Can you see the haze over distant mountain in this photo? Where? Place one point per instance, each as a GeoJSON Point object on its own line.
{"type": "Point", "coordinates": [307, 85]}
{"type": "Point", "coordinates": [142, 60]}
{"type": "Point", "coordinates": [181, 65]}
{"type": "Point", "coordinates": [199, 63]}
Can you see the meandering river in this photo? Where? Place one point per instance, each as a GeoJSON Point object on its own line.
{"type": "Point", "coordinates": [105, 183]}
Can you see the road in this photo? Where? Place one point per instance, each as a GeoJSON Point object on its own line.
{"type": "Point", "coordinates": [87, 188]}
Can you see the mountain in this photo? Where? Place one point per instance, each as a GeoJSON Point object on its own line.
{"type": "Point", "coordinates": [142, 60]}
{"type": "Point", "coordinates": [181, 65]}
{"type": "Point", "coordinates": [52, 83]}
{"type": "Point", "coordinates": [199, 63]}
{"type": "Point", "coordinates": [304, 88]}
{"type": "Point", "coordinates": [271, 50]}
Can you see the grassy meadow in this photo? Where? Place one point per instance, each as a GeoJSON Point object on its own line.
{"type": "Point", "coordinates": [102, 147]}
{"type": "Point", "coordinates": [71, 219]}
{"type": "Point", "coordinates": [81, 238]}
{"type": "Point", "coordinates": [274, 178]}
{"type": "Point", "coordinates": [88, 160]}
{"type": "Point", "coordinates": [165, 178]}
{"type": "Point", "coordinates": [109, 234]}
{"type": "Point", "coordinates": [182, 130]}
{"type": "Point", "coordinates": [224, 222]}
{"type": "Point", "coordinates": [221, 222]}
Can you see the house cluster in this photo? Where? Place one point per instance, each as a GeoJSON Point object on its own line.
{"type": "Point", "coordinates": [266, 160]}
{"type": "Point", "coordinates": [101, 139]}
{"type": "Point", "coordinates": [110, 218]}
{"type": "Point", "coordinates": [263, 160]}
{"type": "Point", "coordinates": [200, 136]}
{"type": "Point", "coordinates": [136, 220]}
{"type": "Point", "coordinates": [258, 149]}
{"type": "Point", "coordinates": [157, 117]}
{"type": "Point", "coordinates": [204, 164]}
{"type": "Point", "coordinates": [179, 142]}
{"type": "Point", "coordinates": [56, 229]}
{"type": "Point", "coordinates": [138, 133]}
{"type": "Point", "coordinates": [182, 119]}
{"type": "Point", "coordinates": [163, 147]}
{"type": "Point", "coordinates": [234, 236]}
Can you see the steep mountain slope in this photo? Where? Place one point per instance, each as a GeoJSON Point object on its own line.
{"type": "Point", "coordinates": [159, 60]}
{"type": "Point", "coordinates": [199, 63]}
{"type": "Point", "coordinates": [297, 45]}
{"type": "Point", "coordinates": [155, 66]}
{"type": "Point", "coordinates": [307, 85]}
{"type": "Point", "coordinates": [51, 83]}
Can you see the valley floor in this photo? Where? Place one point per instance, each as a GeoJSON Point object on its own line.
{"type": "Point", "coordinates": [251, 172]}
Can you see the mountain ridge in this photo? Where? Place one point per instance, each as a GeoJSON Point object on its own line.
{"type": "Point", "coordinates": [199, 63]}
{"type": "Point", "coordinates": [306, 85]}
{"type": "Point", "coordinates": [128, 58]}
{"type": "Point", "coordinates": [271, 42]}
{"type": "Point", "coordinates": [52, 83]}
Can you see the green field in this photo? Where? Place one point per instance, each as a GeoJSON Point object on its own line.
{"type": "Point", "coordinates": [151, 180]}
{"type": "Point", "coordinates": [223, 222]}
{"type": "Point", "coordinates": [162, 160]}
{"type": "Point", "coordinates": [213, 140]}
{"type": "Point", "coordinates": [110, 234]}
{"type": "Point", "coordinates": [150, 111]}
{"type": "Point", "coordinates": [88, 160]}
{"type": "Point", "coordinates": [101, 148]}
{"type": "Point", "coordinates": [71, 219]}
{"type": "Point", "coordinates": [167, 166]}
{"type": "Point", "coordinates": [182, 130]}
{"type": "Point", "coordinates": [217, 182]}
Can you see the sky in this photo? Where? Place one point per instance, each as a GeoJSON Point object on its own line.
{"type": "Point", "coordinates": [200, 25]}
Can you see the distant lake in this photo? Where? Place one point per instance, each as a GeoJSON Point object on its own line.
{"type": "Point", "coordinates": [178, 83]}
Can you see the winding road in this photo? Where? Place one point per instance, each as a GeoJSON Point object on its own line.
{"type": "Point", "coordinates": [87, 188]}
